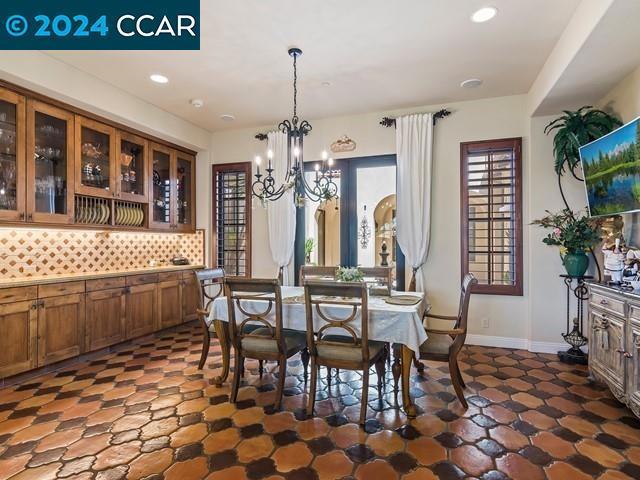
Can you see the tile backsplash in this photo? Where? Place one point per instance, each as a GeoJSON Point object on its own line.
{"type": "Point", "coordinates": [28, 252]}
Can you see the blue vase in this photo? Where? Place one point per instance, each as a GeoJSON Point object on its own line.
{"type": "Point", "coordinates": [575, 264]}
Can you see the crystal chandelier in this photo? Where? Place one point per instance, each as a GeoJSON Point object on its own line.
{"type": "Point", "coordinates": [322, 187]}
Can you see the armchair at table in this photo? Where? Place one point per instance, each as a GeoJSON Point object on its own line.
{"type": "Point", "coordinates": [445, 344]}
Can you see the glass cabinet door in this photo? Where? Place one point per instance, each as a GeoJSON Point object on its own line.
{"type": "Point", "coordinates": [95, 158]}
{"type": "Point", "coordinates": [162, 166]}
{"type": "Point", "coordinates": [49, 163]}
{"type": "Point", "coordinates": [12, 156]}
{"type": "Point", "coordinates": [185, 191]}
{"type": "Point", "coordinates": [132, 167]}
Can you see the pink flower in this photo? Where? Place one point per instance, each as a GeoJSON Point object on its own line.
{"type": "Point", "coordinates": [557, 231]}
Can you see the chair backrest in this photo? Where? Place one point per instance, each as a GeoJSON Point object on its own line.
{"type": "Point", "coordinates": [319, 296]}
{"type": "Point", "coordinates": [463, 311]}
{"type": "Point", "coordinates": [309, 272]}
{"type": "Point", "coordinates": [380, 275]}
{"type": "Point", "coordinates": [211, 283]}
{"type": "Point", "coordinates": [239, 289]}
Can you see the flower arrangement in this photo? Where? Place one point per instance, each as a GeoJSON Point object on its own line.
{"type": "Point", "coordinates": [572, 233]}
{"type": "Point", "coordinates": [349, 274]}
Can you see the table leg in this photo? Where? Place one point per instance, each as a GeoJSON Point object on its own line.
{"type": "Point", "coordinates": [225, 345]}
{"type": "Point", "coordinates": [407, 361]}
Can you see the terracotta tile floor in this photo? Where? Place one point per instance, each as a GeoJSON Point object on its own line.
{"type": "Point", "coordinates": [147, 412]}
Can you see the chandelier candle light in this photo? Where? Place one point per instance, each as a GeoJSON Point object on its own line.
{"type": "Point", "coordinates": [322, 188]}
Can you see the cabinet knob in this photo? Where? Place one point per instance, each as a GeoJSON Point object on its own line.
{"type": "Point", "coordinates": [22, 216]}
{"type": "Point", "coordinates": [34, 305]}
{"type": "Point", "coordinates": [30, 217]}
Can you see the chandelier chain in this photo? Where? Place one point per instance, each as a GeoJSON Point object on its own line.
{"type": "Point", "coordinates": [295, 86]}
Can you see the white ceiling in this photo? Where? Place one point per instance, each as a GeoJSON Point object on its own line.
{"type": "Point", "coordinates": [377, 54]}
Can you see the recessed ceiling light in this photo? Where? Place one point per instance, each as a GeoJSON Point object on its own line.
{"type": "Point", "coordinates": [197, 103]}
{"type": "Point", "coordinates": [471, 83]}
{"type": "Point", "coordinates": [484, 14]}
{"type": "Point", "coordinates": [156, 77]}
{"type": "Point", "coordinates": [227, 117]}
{"type": "Point", "coordinates": [326, 84]}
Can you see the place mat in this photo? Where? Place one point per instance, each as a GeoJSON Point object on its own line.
{"type": "Point", "coordinates": [403, 300]}
{"type": "Point", "coordinates": [291, 300]}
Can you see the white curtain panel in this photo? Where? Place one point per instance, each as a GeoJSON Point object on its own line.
{"type": "Point", "coordinates": [414, 143]}
{"type": "Point", "coordinates": [281, 214]}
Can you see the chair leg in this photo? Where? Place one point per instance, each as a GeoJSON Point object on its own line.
{"type": "Point", "coordinates": [460, 375]}
{"type": "Point", "coordinates": [396, 370]}
{"type": "Point", "coordinates": [206, 343]}
{"type": "Point", "coordinates": [260, 368]}
{"type": "Point", "coordinates": [455, 380]}
{"type": "Point", "coordinates": [282, 374]}
{"type": "Point", "coordinates": [418, 364]}
{"type": "Point", "coordinates": [304, 356]}
{"type": "Point", "coordinates": [381, 371]}
{"type": "Point", "coordinates": [312, 388]}
{"type": "Point", "coordinates": [365, 395]}
{"type": "Point", "coordinates": [237, 372]}
{"type": "Point", "coordinates": [329, 375]}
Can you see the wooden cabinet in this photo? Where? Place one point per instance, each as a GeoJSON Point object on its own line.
{"type": "Point", "coordinates": [131, 176]}
{"type": "Point", "coordinates": [50, 163]}
{"type": "Point", "coordinates": [105, 318]}
{"type": "Point", "coordinates": [169, 303]}
{"type": "Point", "coordinates": [162, 163]}
{"type": "Point", "coordinates": [95, 158]}
{"type": "Point", "coordinates": [190, 297]}
{"type": "Point", "coordinates": [185, 192]}
{"type": "Point", "coordinates": [18, 342]}
{"type": "Point", "coordinates": [633, 375]}
{"type": "Point", "coordinates": [606, 349]}
{"type": "Point", "coordinates": [141, 305]}
{"type": "Point", "coordinates": [12, 156]}
{"type": "Point", "coordinates": [61, 328]}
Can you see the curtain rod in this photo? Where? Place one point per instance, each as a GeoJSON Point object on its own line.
{"type": "Point", "coordinates": [391, 121]}
{"type": "Point", "coordinates": [385, 122]}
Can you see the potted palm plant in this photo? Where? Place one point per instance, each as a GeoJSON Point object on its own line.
{"type": "Point", "coordinates": [574, 234]}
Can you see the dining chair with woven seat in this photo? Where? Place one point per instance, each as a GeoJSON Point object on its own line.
{"type": "Point", "coordinates": [445, 344]}
{"type": "Point", "coordinates": [258, 337]}
{"type": "Point", "coordinates": [341, 307]}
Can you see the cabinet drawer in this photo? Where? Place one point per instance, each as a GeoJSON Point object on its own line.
{"type": "Point", "coordinates": [607, 303]}
{"type": "Point", "coordinates": [169, 276]}
{"type": "Point", "coordinates": [104, 283]}
{"type": "Point", "coordinates": [18, 294]}
{"type": "Point", "coordinates": [142, 279]}
{"type": "Point", "coordinates": [55, 289]}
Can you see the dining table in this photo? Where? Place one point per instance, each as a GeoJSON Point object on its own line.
{"type": "Point", "coordinates": [398, 323]}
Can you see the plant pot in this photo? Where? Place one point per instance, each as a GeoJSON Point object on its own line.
{"type": "Point", "coordinates": [575, 264]}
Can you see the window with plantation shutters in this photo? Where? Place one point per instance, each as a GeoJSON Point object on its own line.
{"type": "Point", "coordinates": [491, 214]}
{"type": "Point", "coordinates": [232, 218]}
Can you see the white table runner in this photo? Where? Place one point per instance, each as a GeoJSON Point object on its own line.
{"type": "Point", "coordinates": [387, 323]}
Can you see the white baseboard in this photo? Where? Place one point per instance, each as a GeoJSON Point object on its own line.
{"type": "Point", "coordinates": [518, 343]}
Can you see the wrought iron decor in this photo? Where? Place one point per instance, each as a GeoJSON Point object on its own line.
{"type": "Point", "coordinates": [364, 231]}
{"type": "Point", "coordinates": [574, 336]}
{"type": "Point", "coordinates": [323, 187]}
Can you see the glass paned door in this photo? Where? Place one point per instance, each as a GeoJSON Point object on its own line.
{"type": "Point", "coordinates": [49, 164]}
{"type": "Point", "coordinates": [95, 153]}
{"type": "Point", "coordinates": [132, 167]}
{"type": "Point", "coordinates": [185, 198]}
{"type": "Point", "coordinates": [375, 208]}
{"type": "Point", "coordinates": [12, 156]}
{"type": "Point", "coordinates": [162, 161]}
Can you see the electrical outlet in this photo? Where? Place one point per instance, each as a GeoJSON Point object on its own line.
{"type": "Point", "coordinates": [485, 322]}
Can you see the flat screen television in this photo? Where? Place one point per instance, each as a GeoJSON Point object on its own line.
{"type": "Point", "coordinates": [611, 168]}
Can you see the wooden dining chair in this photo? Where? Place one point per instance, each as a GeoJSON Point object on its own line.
{"type": "Point", "coordinates": [445, 345]}
{"type": "Point", "coordinates": [382, 276]}
{"type": "Point", "coordinates": [211, 283]}
{"type": "Point", "coordinates": [346, 350]}
{"type": "Point", "coordinates": [269, 341]}
{"type": "Point", "coordinates": [314, 272]}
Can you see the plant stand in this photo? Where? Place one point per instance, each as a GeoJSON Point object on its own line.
{"type": "Point", "coordinates": [574, 337]}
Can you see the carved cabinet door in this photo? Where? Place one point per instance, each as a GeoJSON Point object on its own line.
{"type": "Point", "coordinates": [607, 349]}
{"type": "Point", "coordinates": [633, 367]}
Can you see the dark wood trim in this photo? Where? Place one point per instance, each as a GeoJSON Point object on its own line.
{"type": "Point", "coordinates": [78, 111]}
{"type": "Point", "coordinates": [480, 146]}
{"type": "Point", "coordinates": [244, 167]}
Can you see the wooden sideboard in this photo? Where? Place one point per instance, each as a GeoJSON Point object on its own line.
{"type": "Point", "coordinates": [46, 322]}
{"type": "Point", "coordinates": [614, 342]}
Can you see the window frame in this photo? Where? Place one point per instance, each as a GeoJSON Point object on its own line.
{"type": "Point", "coordinates": [238, 167]}
{"type": "Point", "coordinates": [467, 148]}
